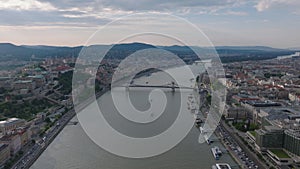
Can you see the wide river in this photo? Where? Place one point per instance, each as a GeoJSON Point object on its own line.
{"type": "Point", "coordinates": [73, 149]}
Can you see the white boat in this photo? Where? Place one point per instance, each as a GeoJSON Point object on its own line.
{"type": "Point", "coordinates": [208, 140]}
{"type": "Point", "coordinates": [215, 153]}
{"type": "Point", "coordinates": [202, 130]}
{"type": "Point", "coordinates": [221, 166]}
{"type": "Point", "coordinates": [218, 150]}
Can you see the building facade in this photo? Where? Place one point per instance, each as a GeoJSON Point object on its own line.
{"type": "Point", "coordinates": [10, 125]}
{"type": "Point", "coordinates": [269, 137]}
{"type": "Point", "coordinates": [14, 142]}
{"type": "Point", "coordinates": [292, 141]}
{"type": "Point", "coordinates": [4, 153]}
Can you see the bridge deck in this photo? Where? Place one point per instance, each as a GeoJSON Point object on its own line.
{"type": "Point", "coordinates": [159, 86]}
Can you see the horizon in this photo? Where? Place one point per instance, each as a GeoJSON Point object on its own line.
{"type": "Point", "coordinates": [24, 45]}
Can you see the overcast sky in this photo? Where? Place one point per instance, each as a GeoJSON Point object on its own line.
{"type": "Point", "coordinates": [273, 23]}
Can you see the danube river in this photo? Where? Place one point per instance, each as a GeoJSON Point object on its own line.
{"type": "Point", "coordinates": [72, 148]}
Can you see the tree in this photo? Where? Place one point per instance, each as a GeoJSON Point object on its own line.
{"type": "Point", "coordinates": [47, 120]}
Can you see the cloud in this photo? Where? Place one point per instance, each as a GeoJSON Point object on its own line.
{"type": "Point", "coordinates": [147, 5]}
{"type": "Point", "coordinates": [134, 5]}
{"type": "Point", "coordinates": [26, 5]}
{"type": "Point", "coordinates": [238, 13]}
{"type": "Point", "coordinates": [263, 5]}
{"type": "Point", "coordinates": [30, 12]}
{"type": "Point", "coordinates": [48, 18]}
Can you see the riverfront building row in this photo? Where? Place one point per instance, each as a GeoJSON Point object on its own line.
{"type": "Point", "coordinates": [282, 146]}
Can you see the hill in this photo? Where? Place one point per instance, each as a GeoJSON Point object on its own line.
{"type": "Point", "coordinates": [227, 53]}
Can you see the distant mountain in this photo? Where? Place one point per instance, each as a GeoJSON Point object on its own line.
{"type": "Point", "coordinates": [176, 48]}
{"type": "Point", "coordinates": [249, 48]}
{"type": "Point", "coordinates": [227, 53]}
{"type": "Point", "coordinates": [132, 46]}
{"type": "Point", "coordinates": [295, 49]}
{"type": "Point", "coordinates": [10, 51]}
{"type": "Point", "coordinates": [44, 47]}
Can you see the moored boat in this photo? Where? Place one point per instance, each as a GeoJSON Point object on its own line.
{"type": "Point", "coordinates": [221, 166]}
{"type": "Point", "coordinates": [215, 153]}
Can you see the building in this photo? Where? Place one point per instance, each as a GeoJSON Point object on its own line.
{"type": "Point", "coordinates": [279, 156]}
{"type": "Point", "coordinates": [24, 136]}
{"type": "Point", "coordinates": [4, 153]}
{"type": "Point", "coordinates": [294, 97]}
{"type": "Point", "coordinates": [244, 97]}
{"type": "Point", "coordinates": [5, 82]}
{"type": "Point", "coordinates": [10, 125]}
{"type": "Point", "coordinates": [24, 84]}
{"type": "Point", "coordinates": [266, 103]}
{"type": "Point", "coordinates": [292, 141]}
{"type": "Point", "coordinates": [14, 142]}
{"type": "Point", "coordinates": [259, 116]}
{"type": "Point", "coordinates": [269, 137]}
{"type": "Point", "coordinates": [34, 131]}
{"type": "Point", "coordinates": [251, 137]}
{"type": "Point", "coordinates": [237, 113]}
{"type": "Point", "coordinates": [39, 80]}
{"type": "Point", "coordinates": [63, 69]}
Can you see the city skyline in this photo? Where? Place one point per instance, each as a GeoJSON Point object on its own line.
{"type": "Point", "coordinates": [226, 23]}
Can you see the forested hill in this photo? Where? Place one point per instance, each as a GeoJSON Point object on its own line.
{"type": "Point", "coordinates": [227, 53]}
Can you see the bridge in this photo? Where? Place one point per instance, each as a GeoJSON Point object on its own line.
{"type": "Point", "coordinates": [172, 86]}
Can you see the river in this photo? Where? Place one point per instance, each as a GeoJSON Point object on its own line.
{"type": "Point", "coordinates": [72, 148]}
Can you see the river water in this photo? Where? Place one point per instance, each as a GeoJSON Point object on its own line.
{"type": "Point", "coordinates": [72, 148]}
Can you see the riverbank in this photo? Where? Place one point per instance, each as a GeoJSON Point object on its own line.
{"type": "Point", "coordinates": [29, 157]}
{"type": "Point", "coordinates": [34, 153]}
{"type": "Point", "coordinates": [240, 143]}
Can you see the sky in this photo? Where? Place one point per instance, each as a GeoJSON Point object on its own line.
{"type": "Point", "coordinates": [274, 23]}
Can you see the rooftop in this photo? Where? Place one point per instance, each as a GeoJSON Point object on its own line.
{"type": "Point", "coordinates": [258, 103]}
{"type": "Point", "coordinates": [281, 113]}
{"type": "Point", "coordinates": [3, 146]}
{"type": "Point", "coordinates": [280, 153]}
{"type": "Point", "coordinates": [253, 133]}
{"type": "Point", "coordinates": [23, 81]}
{"type": "Point", "coordinates": [10, 120]}
{"type": "Point", "coordinates": [294, 133]}
{"type": "Point", "coordinates": [36, 77]}
{"type": "Point", "coordinates": [272, 128]}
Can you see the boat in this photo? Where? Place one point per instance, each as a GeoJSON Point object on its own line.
{"type": "Point", "coordinates": [221, 166]}
{"type": "Point", "coordinates": [208, 140]}
{"type": "Point", "coordinates": [198, 122]}
{"type": "Point", "coordinates": [204, 132]}
{"type": "Point", "coordinates": [197, 114]}
{"type": "Point", "coordinates": [215, 153]}
{"type": "Point", "coordinates": [218, 150]}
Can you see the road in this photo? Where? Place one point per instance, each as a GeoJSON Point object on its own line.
{"type": "Point", "coordinates": [33, 153]}
{"type": "Point", "coordinates": [37, 149]}
{"type": "Point", "coordinates": [251, 155]}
